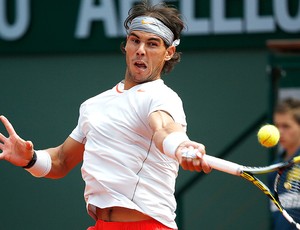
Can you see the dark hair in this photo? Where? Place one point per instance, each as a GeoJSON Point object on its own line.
{"type": "Point", "coordinates": [168, 15]}
{"type": "Point", "coordinates": [289, 105]}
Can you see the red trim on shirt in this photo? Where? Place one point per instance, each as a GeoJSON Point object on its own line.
{"type": "Point", "coordinates": [117, 88]}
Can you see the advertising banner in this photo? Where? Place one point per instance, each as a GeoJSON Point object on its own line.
{"type": "Point", "coordinates": [41, 26]}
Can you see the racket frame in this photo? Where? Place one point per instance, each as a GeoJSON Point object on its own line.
{"type": "Point", "coordinates": [248, 173]}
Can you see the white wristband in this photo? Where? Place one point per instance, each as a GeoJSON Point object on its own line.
{"type": "Point", "coordinates": [172, 141]}
{"type": "Point", "coordinates": [42, 165]}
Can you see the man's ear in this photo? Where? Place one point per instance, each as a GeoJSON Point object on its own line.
{"type": "Point", "coordinates": [170, 52]}
{"type": "Point", "coordinates": [125, 45]}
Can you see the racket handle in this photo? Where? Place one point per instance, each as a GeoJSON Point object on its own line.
{"type": "Point", "coordinates": [223, 165]}
{"type": "Point", "coordinates": [215, 162]}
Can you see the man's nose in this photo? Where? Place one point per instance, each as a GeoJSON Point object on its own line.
{"type": "Point", "coordinates": [141, 49]}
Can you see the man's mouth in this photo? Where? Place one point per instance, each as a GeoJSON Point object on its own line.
{"type": "Point", "coordinates": [140, 65]}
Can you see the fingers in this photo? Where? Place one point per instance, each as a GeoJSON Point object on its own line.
{"type": "Point", "coordinates": [205, 166]}
{"type": "Point", "coordinates": [2, 140]}
{"type": "Point", "coordinates": [13, 148]}
{"type": "Point", "coordinates": [202, 163]}
{"type": "Point", "coordinates": [28, 145]}
{"type": "Point", "coordinates": [195, 164]}
{"type": "Point", "coordinates": [192, 157]}
{"type": "Point", "coordinates": [1, 150]}
{"type": "Point", "coordinates": [8, 126]}
{"type": "Point", "coordinates": [191, 164]}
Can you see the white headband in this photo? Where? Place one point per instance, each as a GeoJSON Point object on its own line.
{"type": "Point", "coordinates": [153, 25]}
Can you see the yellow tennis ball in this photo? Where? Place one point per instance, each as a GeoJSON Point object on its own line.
{"type": "Point", "coordinates": [268, 135]}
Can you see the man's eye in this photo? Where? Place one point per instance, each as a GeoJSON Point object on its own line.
{"type": "Point", "coordinates": [286, 126]}
{"type": "Point", "coordinates": [135, 40]}
{"type": "Point", "coordinates": [152, 44]}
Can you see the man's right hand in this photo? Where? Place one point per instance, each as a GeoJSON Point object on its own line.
{"type": "Point", "coordinates": [14, 149]}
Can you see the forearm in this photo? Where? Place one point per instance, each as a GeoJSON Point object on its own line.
{"type": "Point", "coordinates": [167, 134]}
{"type": "Point", "coordinates": [46, 163]}
{"type": "Point", "coordinates": [58, 165]}
{"type": "Point", "coordinates": [61, 159]}
{"type": "Point", "coordinates": [171, 139]}
{"type": "Point", "coordinates": [161, 134]}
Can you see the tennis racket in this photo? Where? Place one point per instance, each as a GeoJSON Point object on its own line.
{"type": "Point", "coordinates": [286, 196]}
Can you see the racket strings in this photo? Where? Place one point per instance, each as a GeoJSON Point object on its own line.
{"type": "Point", "coordinates": [288, 190]}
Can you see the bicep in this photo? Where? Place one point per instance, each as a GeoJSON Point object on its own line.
{"type": "Point", "coordinates": [159, 119]}
{"type": "Point", "coordinates": [65, 157]}
{"type": "Point", "coordinates": [162, 124]}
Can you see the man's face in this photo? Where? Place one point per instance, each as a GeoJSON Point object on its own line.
{"type": "Point", "coordinates": [289, 131]}
{"type": "Point", "coordinates": [146, 55]}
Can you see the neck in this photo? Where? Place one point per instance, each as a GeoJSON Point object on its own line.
{"type": "Point", "coordinates": [129, 82]}
{"type": "Point", "coordinates": [291, 151]}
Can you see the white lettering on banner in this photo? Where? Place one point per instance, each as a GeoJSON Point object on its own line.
{"type": "Point", "coordinates": [218, 23]}
{"type": "Point", "coordinates": [195, 26]}
{"type": "Point", "coordinates": [89, 12]}
{"type": "Point", "coordinates": [16, 30]}
{"type": "Point", "coordinates": [221, 24]}
{"type": "Point", "coordinates": [251, 23]}
{"type": "Point", "coordinates": [254, 22]}
{"type": "Point", "coordinates": [284, 20]}
{"type": "Point", "coordinates": [112, 18]}
{"type": "Point", "coordinates": [124, 8]}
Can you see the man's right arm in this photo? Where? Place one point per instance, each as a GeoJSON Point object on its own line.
{"type": "Point", "coordinates": [56, 162]}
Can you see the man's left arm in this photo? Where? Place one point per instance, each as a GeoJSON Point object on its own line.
{"type": "Point", "coordinates": [171, 139]}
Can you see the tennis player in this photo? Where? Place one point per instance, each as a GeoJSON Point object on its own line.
{"type": "Point", "coordinates": [128, 138]}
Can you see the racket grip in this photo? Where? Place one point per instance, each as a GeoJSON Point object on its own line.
{"type": "Point", "coordinates": [223, 165]}
{"type": "Point", "coordinates": [215, 162]}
